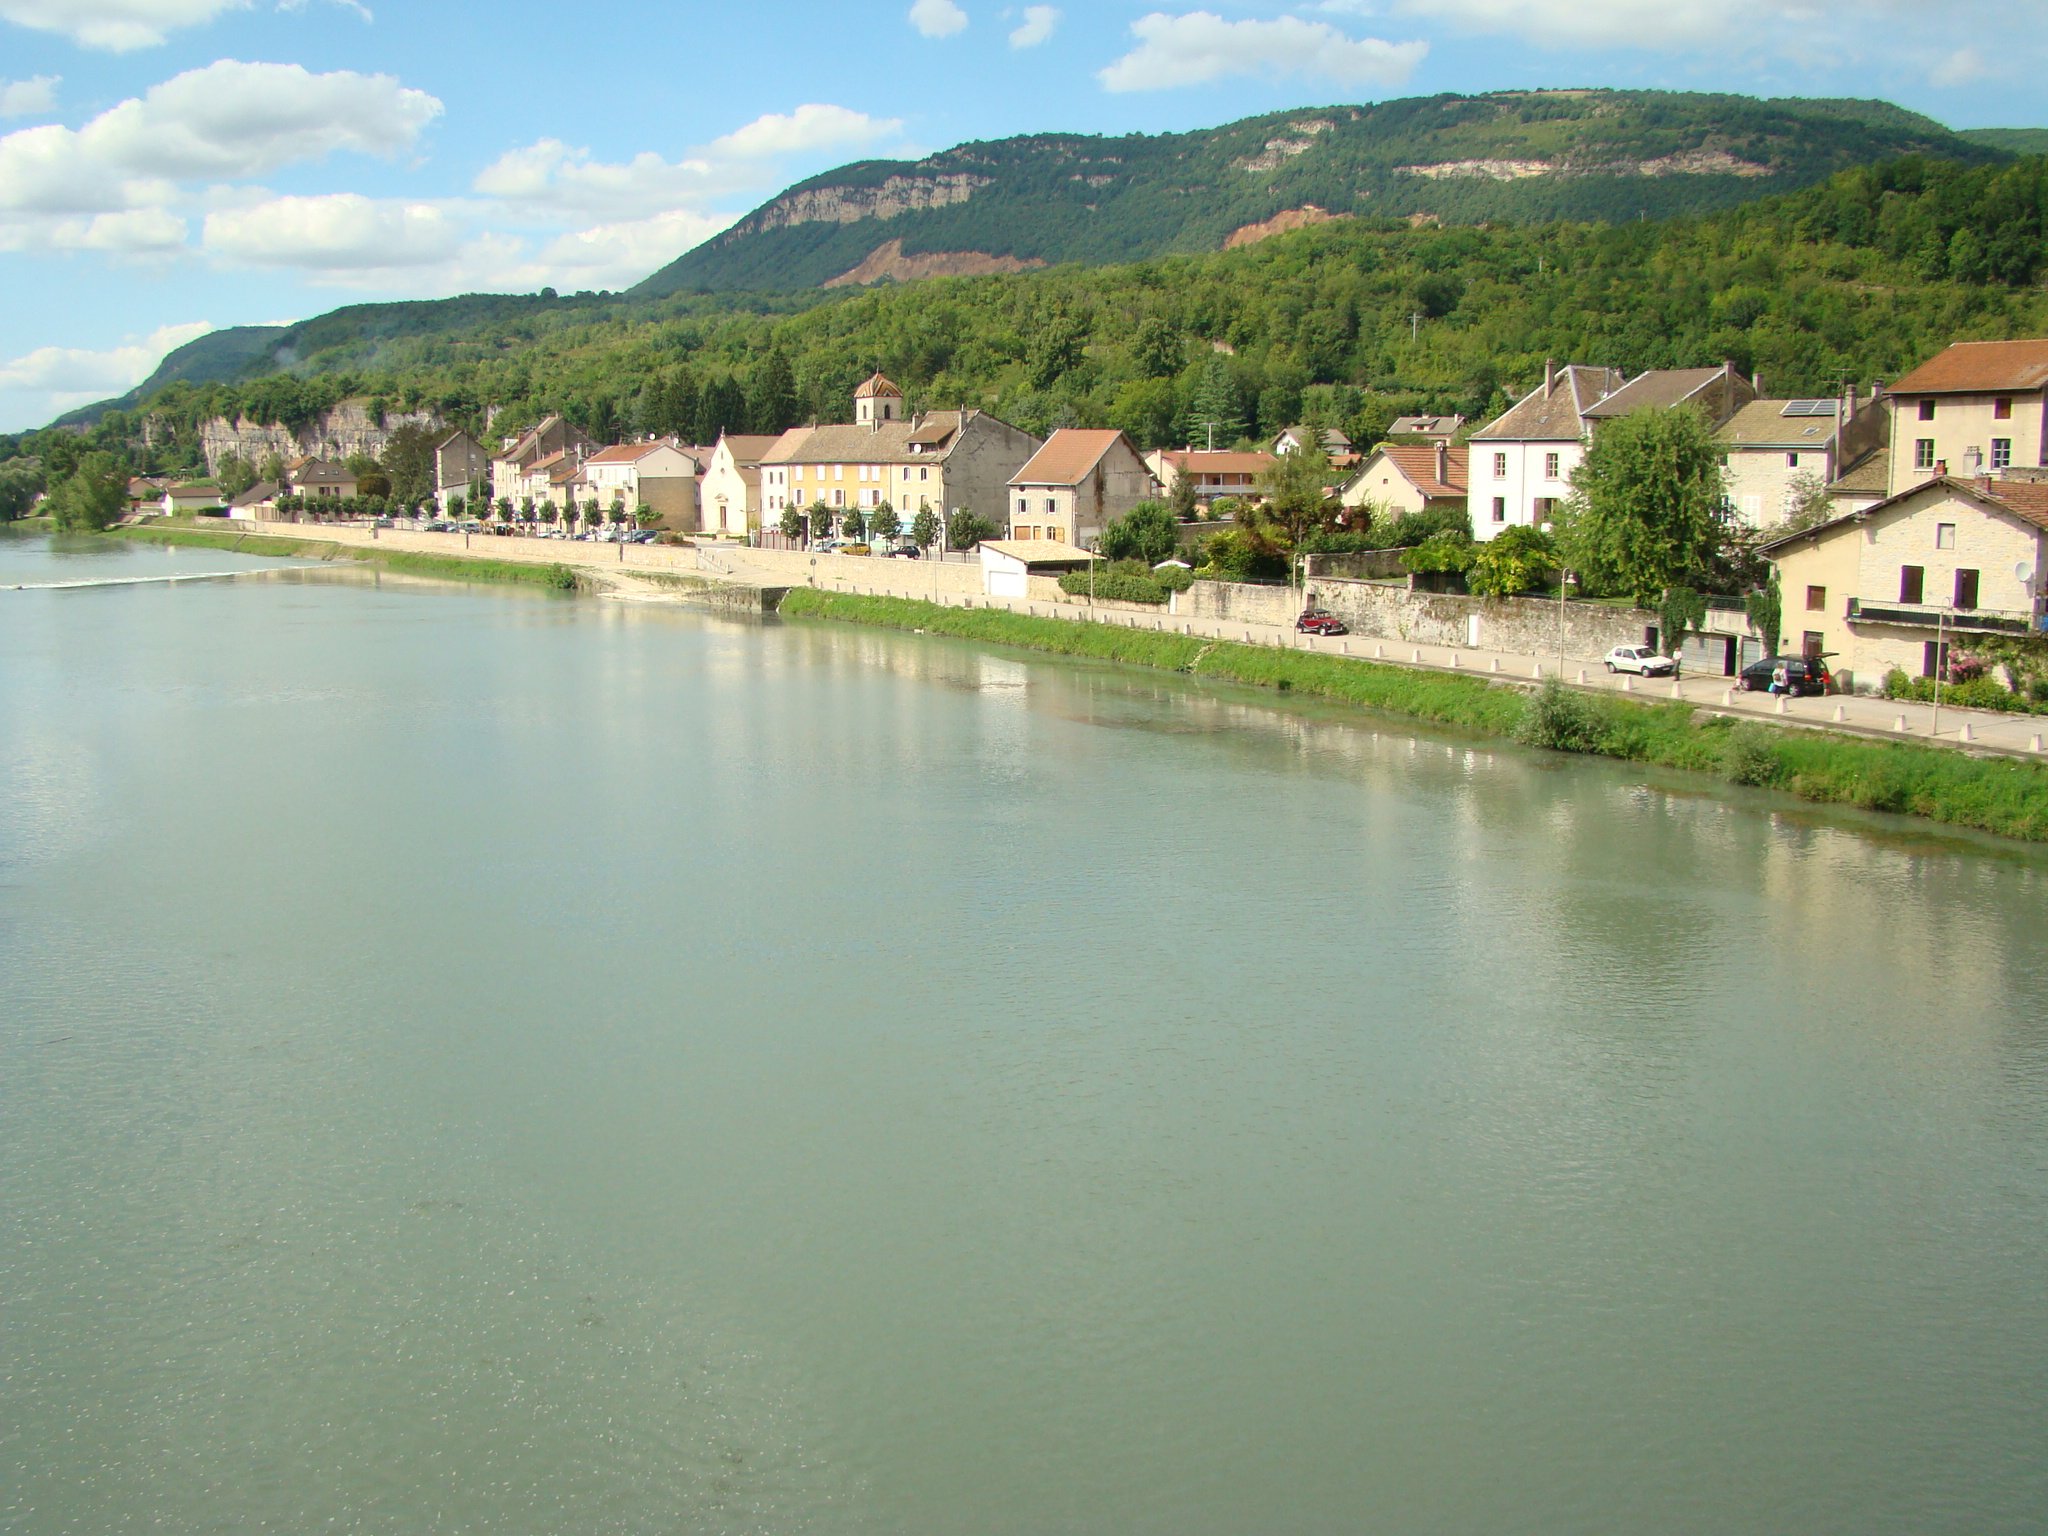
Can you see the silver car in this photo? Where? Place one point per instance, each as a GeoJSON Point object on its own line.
{"type": "Point", "coordinates": [1641, 660]}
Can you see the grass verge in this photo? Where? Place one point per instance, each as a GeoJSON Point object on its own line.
{"type": "Point", "coordinates": [556, 578]}
{"type": "Point", "coordinates": [1998, 795]}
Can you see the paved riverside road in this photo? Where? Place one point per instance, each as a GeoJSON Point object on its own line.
{"type": "Point", "coordinates": [1972, 729]}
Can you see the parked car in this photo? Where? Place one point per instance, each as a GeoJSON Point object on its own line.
{"type": "Point", "coordinates": [1803, 674]}
{"type": "Point", "coordinates": [1641, 660]}
{"type": "Point", "coordinates": [1316, 622]}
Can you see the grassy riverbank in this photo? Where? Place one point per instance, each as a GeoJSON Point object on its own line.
{"type": "Point", "coordinates": [559, 578]}
{"type": "Point", "coordinates": [1996, 795]}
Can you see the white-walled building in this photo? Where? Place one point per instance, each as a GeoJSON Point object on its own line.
{"type": "Point", "coordinates": [657, 475]}
{"type": "Point", "coordinates": [1520, 464]}
{"type": "Point", "coordinates": [1977, 407]}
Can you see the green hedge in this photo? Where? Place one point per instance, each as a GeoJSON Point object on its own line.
{"type": "Point", "coordinates": [1977, 693]}
{"type": "Point", "coordinates": [2000, 795]}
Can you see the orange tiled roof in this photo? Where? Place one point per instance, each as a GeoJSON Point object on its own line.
{"type": "Point", "coordinates": [1971, 367]}
{"type": "Point", "coordinates": [1417, 464]}
{"type": "Point", "coordinates": [1067, 457]}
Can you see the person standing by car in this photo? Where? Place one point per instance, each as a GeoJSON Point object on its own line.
{"type": "Point", "coordinates": [1781, 678]}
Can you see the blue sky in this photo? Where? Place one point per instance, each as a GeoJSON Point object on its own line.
{"type": "Point", "coordinates": [170, 166]}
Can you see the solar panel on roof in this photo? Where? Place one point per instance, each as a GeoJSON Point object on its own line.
{"type": "Point", "coordinates": [1809, 408]}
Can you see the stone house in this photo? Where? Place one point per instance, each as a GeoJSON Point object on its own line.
{"type": "Point", "coordinates": [1977, 407]}
{"type": "Point", "coordinates": [729, 498]}
{"type": "Point", "coordinates": [1409, 477]}
{"type": "Point", "coordinates": [514, 470]}
{"type": "Point", "coordinates": [1903, 583]}
{"type": "Point", "coordinates": [1075, 485]}
{"type": "Point", "coordinates": [944, 461]}
{"type": "Point", "coordinates": [657, 475]}
{"type": "Point", "coordinates": [1434, 429]}
{"type": "Point", "coordinates": [1773, 449]}
{"type": "Point", "coordinates": [460, 463]}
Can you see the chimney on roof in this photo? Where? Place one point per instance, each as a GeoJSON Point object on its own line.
{"type": "Point", "coordinates": [1848, 402]}
{"type": "Point", "coordinates": [1443, 463]}
{"type": "Point", "coordinates": [1549, 376]}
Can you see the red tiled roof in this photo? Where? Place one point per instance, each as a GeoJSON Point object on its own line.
{"type": "Point", "coordinates": [626, 453]}
{"type": "Point", "coordinates": [1417, 464]}
{"type": "Point", "coordinates": [877, 385]}
{"type": "Point", "coordinates": [2027, 498]}
{"type": "Point", "coordinates": [1218, 461]}
{"type": "Point", "coordinates": [1972, 367]}
{"type": "Point", "coordinates": [1067, 457]}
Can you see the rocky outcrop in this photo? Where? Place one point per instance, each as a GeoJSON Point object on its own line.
{"type": "Point", "coordinates": [1281, 150]}
{"type": "Point", "coordinates": [343, 429]}
{"type": "Point", "coordinates": [1280, 224]}
{"type": "Point", "coordinates": [1687, 162]}
{"type": "Point", "coordinates": [849, 205]}
{"type": "Point", "coordinates": [887, 263]}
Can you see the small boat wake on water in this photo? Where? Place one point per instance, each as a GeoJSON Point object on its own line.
{"type": "Point", "coordinates": [147, 581]}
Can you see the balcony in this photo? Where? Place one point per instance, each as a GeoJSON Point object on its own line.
{"type": "Point", "coordinates": [1962, 621]}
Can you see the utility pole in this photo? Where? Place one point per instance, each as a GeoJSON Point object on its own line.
{"type": "Point", "coordinates": [1414, 327]}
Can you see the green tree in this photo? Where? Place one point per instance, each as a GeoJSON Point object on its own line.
{"type": "Point", "coordinates": [271, 469]}
{"type": "Point", "coordinates": [1512, 562]}
{"type": "Point", "coordinates": [1182, 499]}
{"type": "Point", "coordinates": [853, 523]}
{"type": "Point", "coordinates": [234, 475]}
{"type": "Point", "coordinates": [1157, 349]}
{"type": "Point", "coordinates": [792, 524]}
{"type": "Point", "coordinates": [966, 529]}
{"type": "Point", "coordinates": [821, 521]}
{"type": "Point", "coordinates": [1297, 502]}
{"type": "Point", "coordinates": [408, 460]}
{"type": "Point", "coordinates": [371, 482]}
{"type": "Point", "coordinates": [1216, 408]}
{"type": "Point", "coordinates": [924, 527]}
{"type": "Point", "coordinates": [20, 483]}
{"type": "Point", "coordinates": [1765, 606]}
{"type": "Point", "coordinates": [1148, 532]}
{"type": "Point", "coordinates": [771, 404]}
{"type": "Point", "coordinates": [1647, 509]}
{"type": "Point", "coordinates": [883, 523]}
{"type": "Point", "coordinates": [94, 496]}
{"type": "Point", "coordinates": [1678, 610]}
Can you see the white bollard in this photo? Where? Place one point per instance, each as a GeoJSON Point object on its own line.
{"type": "Point", "coordinates": [1454, 658]}
{"type": "Point", "coordinates": [1727, 695]}
{"type": "Point", "coordinates": [1418, 658]}
{"type": "Point", "coordinates": [1784, 705]}
{"type": "Point", "coordinates": [1967, 733]}
{"type": "Point", "coordinates": [1537, 670]}
{"type": "Point", "coordinates": [1345, 646]}
{"type": "Point", "coordinates": [1841, 714]}
{"type": "Point", "coordinates": [1379, 653]}
{"type": "Point", "coordinates": [1493, 665]}
{"type": "Point", "coordinates": [1900, 725]}
{"type": "Point", "coordinates": [2035, 744]}
{"type": "Point", "coordinates": [1628, 685]}
{"type": "Point", "coordinates": [1582, 675]}
{"type": "Point", "coordinates": [1677, 692]}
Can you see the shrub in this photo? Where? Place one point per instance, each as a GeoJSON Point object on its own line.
{"type": "Point", "coordinates": [1234, 556]}
{"type": "Point", "coordinates": [1563, 720]}
{"type": "Point", "coordinates": [1750, 755]}
{"type": "Point", "coordinates": [1148, 532]}
{"type": "Point", "coordinates": [1978, 692]}
{"type": "Point", "coordinates": [1441, 554]}
{"type": "Point", "coordinates": [1126, 582]}
{"type": "Point", "coordinates": [1514, 561]}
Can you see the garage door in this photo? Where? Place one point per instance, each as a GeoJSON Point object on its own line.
{"type": "Point", "coordinates": [1008, 584]}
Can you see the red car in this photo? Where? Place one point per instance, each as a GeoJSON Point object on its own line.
{"type": "Point", "coordinates": [1316, 622]}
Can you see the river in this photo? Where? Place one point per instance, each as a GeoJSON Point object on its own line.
{"type": "Point", "coordinates": [479, 1060]}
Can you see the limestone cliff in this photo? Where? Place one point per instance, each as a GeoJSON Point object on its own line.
{"type": "Point", "coordinates": [887, 263]}
{"type": "Point", "coordinates": [343, 429]}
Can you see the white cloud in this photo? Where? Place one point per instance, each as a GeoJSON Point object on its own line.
{"type": "Point", "coordinates": [75, 371]}
{"type": "Point", "coordinates": [1201, 46]}
{"type": "Point", "coordinates": [28, 98]}
{"type": "Point", "coordinates": [340, 232]}
{"type": "Point", "coordinates": [937, 18]}
{"type": "Point", "coordinates": [1963, 67]}
{"type": "Point", "coordinates": [619, 255]}
{"type": "Point", "coordinates": [1039, 22]}
{"type": "Point", "coordinates": [118, 26]}
{"type": "Point", "coordinates": [811, 127]}
{"type": "Point", "coordinates": [1894, 27]}
{"type": "Point", "coordinates": [225, 121]}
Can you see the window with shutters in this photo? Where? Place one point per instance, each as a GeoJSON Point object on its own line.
{"type": "Point", "coordinates": [1912, 582]}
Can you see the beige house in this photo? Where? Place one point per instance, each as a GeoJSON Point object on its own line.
{"type": "Point", "coordinates": [1075, 485]}
{"type": "Point", "coordinates": [319, 478]}
{"type": "Point", "coordinates": [513, 471]}
{"type": "Point", "coordinates": [1864, 482]}
{"type": "Point", "coordinates": [730, 496]}
{"type": "Point", "coordinates": [1901, 583]}
{"type": "Point", "coordinates": [656, 475]}
{"type": "Point", "coordinates": [1979, 407]}
{"type": "Point", "coordinates": [1409, 477]}
{"type": "Point", "coordinates": [1214, 473]}
{"type": "Point", "coordinates": [944, 461]}
{"type": "Point", "coordinates": [1775, 450]}
{"type": "Point", "coordinates": [195, 497]}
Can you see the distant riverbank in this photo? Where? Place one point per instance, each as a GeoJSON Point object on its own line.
{"type": "Point", "coordinates": [1997, 795]}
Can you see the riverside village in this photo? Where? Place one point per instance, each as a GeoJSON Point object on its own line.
{"type": "Point", "coordinates": [1872, 561]}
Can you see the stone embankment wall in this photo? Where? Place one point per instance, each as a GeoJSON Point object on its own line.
{"type": "Point", "coordinates": [1519, 626]}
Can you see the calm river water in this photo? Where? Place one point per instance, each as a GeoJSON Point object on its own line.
{"type": "Point", "coordinates": [479, 1061]}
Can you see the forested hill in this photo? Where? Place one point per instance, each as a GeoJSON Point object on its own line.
{"type": "Point", "coordinates": [1508, 157]}
{"type": "Point", "coordinates": [1858, 278]}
